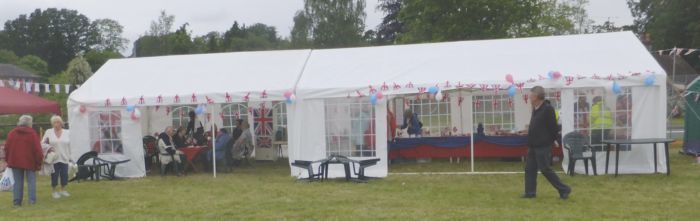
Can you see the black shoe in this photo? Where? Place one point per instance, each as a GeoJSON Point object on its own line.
{"type": "Point", "coordinates": [565, 195]}
{"type": "Point", "coordinates": [528, 196]}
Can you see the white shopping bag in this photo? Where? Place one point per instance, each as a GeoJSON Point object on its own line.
{"type": "Point", "coordinates": [7, 181]}
{"type": "Point", "coordinates": [72, 170]}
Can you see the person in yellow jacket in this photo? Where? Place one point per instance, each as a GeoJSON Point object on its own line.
{"type": "Point", "coordinates": [601, 121]}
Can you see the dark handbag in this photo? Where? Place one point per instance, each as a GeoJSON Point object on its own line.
{"type": "Point", "coordinates": [170, 150]}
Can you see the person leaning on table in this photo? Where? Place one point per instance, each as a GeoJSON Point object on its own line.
{"type": "Point", "coordinates": [542, 134]}
{"type": "Point", "coordinates": [24, 156]}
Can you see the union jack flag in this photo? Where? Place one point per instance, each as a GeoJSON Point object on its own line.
{"type": "Point", "coordinates": [263, 121]}
{"type": "Point", "coordinates": [263, 142]}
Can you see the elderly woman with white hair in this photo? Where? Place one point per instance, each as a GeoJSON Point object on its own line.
{"type": "Point", "coordinates": [58, 139]}
{"type": "Point", "coordinates": [24, 156]}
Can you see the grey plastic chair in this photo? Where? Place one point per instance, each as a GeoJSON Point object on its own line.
{"type": "Point", "coordinates": [577, 145]}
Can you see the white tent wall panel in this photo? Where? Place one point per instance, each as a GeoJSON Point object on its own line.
{"type": "Point", "coordinates": [308, 129]}
{"type": "Point", "coordinates": [567, 126]}
{"type": "Point", "coordinates": [522, 111]}
{"type": "Point", "coordinates": [648, 121]}
{"type": "Point", "coordinates": [80, 132]}
{"type": "Point", "coordinates": [307, 133]}
{"type": "Point", "coordinates": [157, 120]}
{"type": "Point", "coordinates": [130, 136]}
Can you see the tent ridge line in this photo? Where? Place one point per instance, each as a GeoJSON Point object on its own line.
{"type": "Point", "coordinates": [301, 72]}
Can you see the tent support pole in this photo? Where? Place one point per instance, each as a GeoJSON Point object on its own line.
{"type": "Point", "coordinates": [213, 144]}
{"type": "Point", "coordinates": [471, 141]}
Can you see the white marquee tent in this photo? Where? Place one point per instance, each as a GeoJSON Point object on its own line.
{"type": "Point", "coordinates": [332, 112]}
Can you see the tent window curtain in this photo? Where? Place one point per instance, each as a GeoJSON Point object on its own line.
{"type": "Point", "coordinates": [106, 132]}
{"type": "Point", "coordinates": [435, 115]}
{"type": "Point", "coordinates": [622, 128]}
{"type": "Point", "coordinates": [603, 117]}
{"type": "Point", "coordinates": [280, 121]}
{"type": "Point", "coordinates": [234, 112]}
{"type": "Point", "coordinates": [180, 116]}
{"type": "Point", "coordinates": [494, 112]}
{"type": "Point", "coordinates": [554, 97]}
{"type": "Point", "coordinates": [350, 127]}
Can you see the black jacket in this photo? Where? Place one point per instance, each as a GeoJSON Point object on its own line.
{"type": "Point", "coordinates": [543, 128]}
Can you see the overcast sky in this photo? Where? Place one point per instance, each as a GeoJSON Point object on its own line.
{"type": "Point", "coordinates": [218, 15]}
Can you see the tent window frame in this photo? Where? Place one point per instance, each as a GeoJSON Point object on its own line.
{"type": "Point", "coordinates": [493, 118]}
{"type": "Point", "coordinates": [434, 114]}
{"type": "Point", "coordinates": [342, 118]}
{"type": "Point", "coordinates": [229, 112]}
{"type": "Point", "coordinates": [106, 133]}
{"type": "Point", "coordinates": [179, 116]}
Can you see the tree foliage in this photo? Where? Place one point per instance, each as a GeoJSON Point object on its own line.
{"type": "Point", "coordinates": [55, 35]}
{"type": "Point", "coordinates": [35, 65]}
{"type": "Point", "coordinates": [429, 21]}
{"type": "Point", "coordinates": [391, 26]}
{"type": "Point", "coordinates": [97, 58]}
{"type": "Point", "coordinates": [330, 23]}
{"type": "Point", "coordinates": [107, 35]}
{"type": "Point", "coordinates": [78, 70]}
{"type": "Point", "coordinates": [669, 23]}
{"type": "Point", "coordinates": [162, 26]}
{"type": "Point", "coordinates": [58, 35]}
{"type": "Point", "coordinates": [160, 41]}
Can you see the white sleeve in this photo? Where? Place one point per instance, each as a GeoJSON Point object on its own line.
{"type": "Point", "coordinates": [46, 135]}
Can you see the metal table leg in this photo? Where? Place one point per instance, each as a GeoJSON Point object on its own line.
{"type": "Point", "coordinates": [668, 165]}
{"type": "Point", "coordinates": [607, 158]}
{"type": "Point", "coordinates": [656, 162]}
{"type": "Point", "coordinates": [617, 158]}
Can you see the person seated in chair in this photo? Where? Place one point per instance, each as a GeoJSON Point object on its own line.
{"type": "Point", "coordinates": [167, 151]}
{"type": "Point", "coordinates": [222, 140]}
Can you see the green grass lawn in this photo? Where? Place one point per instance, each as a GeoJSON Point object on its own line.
{"type": "Point", "coordinates": [267, 192]}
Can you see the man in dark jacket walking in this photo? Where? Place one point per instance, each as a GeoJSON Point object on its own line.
{"type": "Point", "coordinates": [24, 157]}
{"type": "Point", "coordinates": [542, 134]}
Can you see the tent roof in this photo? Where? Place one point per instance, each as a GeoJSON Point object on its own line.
{"type": "Point", "coordinates": [18, 102]}
{"type": "Point", "coordinates": [210, 75]}
{"type": "Point", "coordinates": [337, 72]}
{"type": "Point", "coordinates": [476, 61]}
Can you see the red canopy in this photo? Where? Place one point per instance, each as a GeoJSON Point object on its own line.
{"type": "Point", "coordinates": [17, 102]}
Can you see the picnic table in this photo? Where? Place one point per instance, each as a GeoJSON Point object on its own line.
{"type": "Point", "coordinates": [191, 153]}
{"type": "Point", "coordinates": [653, 141]}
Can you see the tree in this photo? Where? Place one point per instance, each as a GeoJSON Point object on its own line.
{"type": "Point", "coordinates": [430, 21]}
{"type": "Point", "coordinates": [301, 32]}
{"type": "Point", "coordinates": [52, 34]}
{"type": "Point", "coordinates": [78, 70]}
{"type": "Point", "coordinates": [330, 23]}
{"type": "Point", "coordinates": [35, 65]}
{"type": "Point", "coordinates": [108, 35]}
{"type": "Point", "coordinates": [97, 58]}
{"type": "Point", "coordinates": [160, 40]}
{"type": "Point", "coordinates": [391, 27]}
{"type": "Point", "coordinates": [8, 57]}
{"type": "Point", "coordinates": [669, 23]}
{"type": "Point", "coordinates": [579, 16]}
{"type": "Point", "coordinates": [607, 26]}
{"type": "Point", "coordinates": [162, 26]}
{"type": "Point", "coordinates": [178, 42]}
{"type": "Point", "coordinates": [4, 40]}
